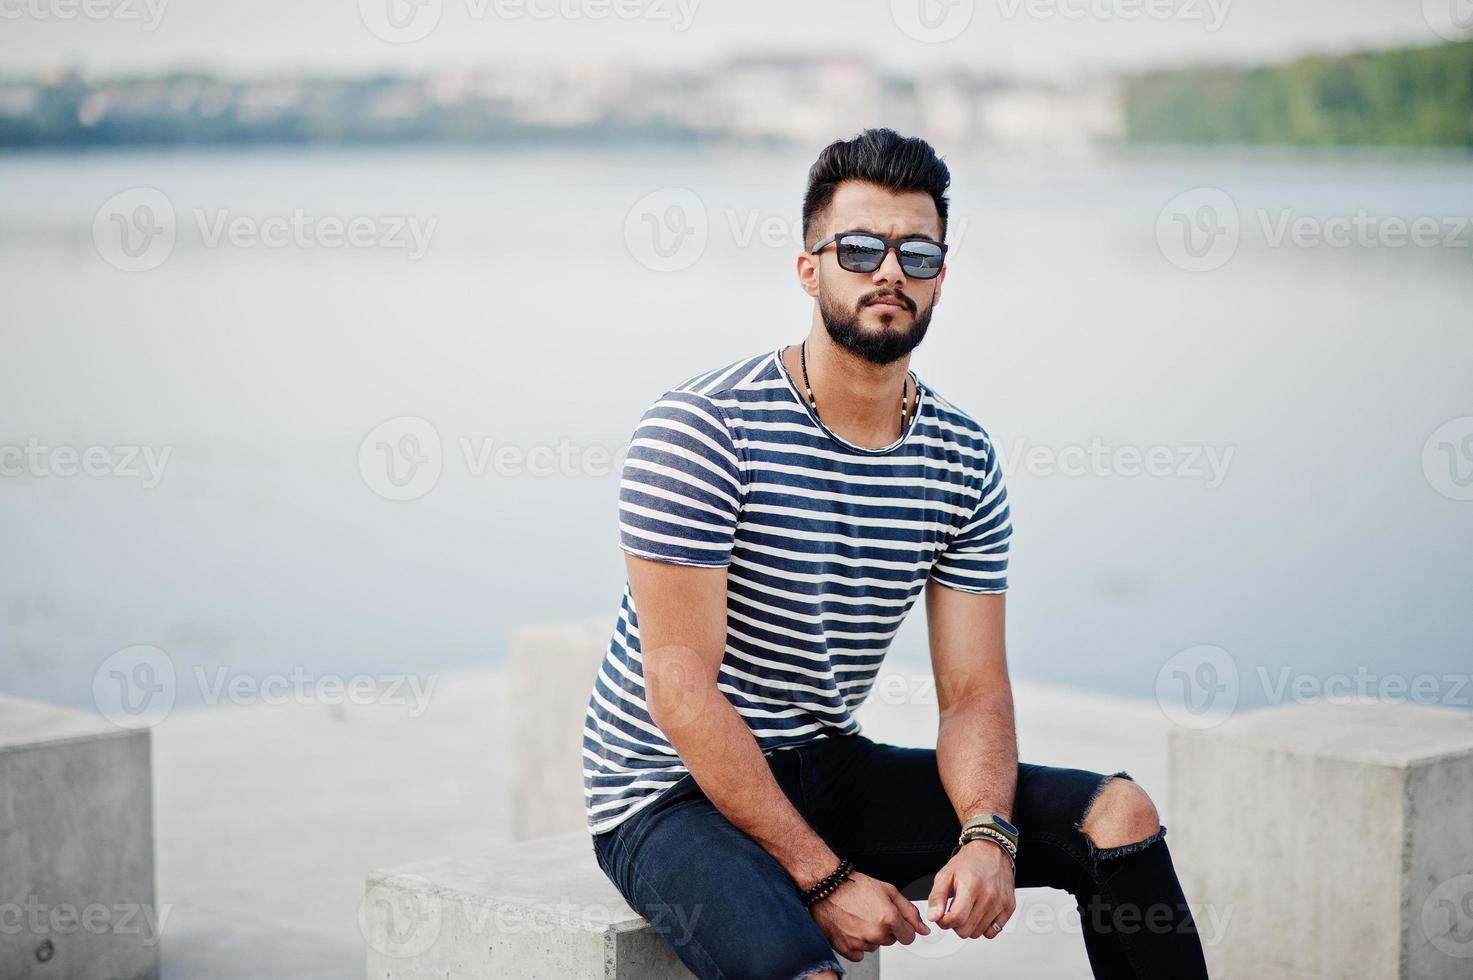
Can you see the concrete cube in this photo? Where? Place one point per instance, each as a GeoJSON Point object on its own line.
{"type": "Point", "coordinates": [1329, 840]}
{"type": "Point", "coordinates": [552, 669]}
{"type": "Point", "coordinates": [76, 847]}
{"type": "Point", "coordinates": [539, 909]}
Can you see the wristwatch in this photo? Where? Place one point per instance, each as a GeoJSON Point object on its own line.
{"type": "Point", "coordinates": [996, 823]}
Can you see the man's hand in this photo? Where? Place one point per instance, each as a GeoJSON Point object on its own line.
{"type": "Point", "coordinates": [979, 881]}
{"type": "Point", "coordinates": [865, 913]}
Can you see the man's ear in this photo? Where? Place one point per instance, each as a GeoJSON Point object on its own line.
{"type": "Point", "coordinates": [808, 273]}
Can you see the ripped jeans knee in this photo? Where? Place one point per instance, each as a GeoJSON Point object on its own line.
{"type": "Point", "coordinates": [1098, 853]}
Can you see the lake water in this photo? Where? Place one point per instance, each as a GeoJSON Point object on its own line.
{"type": "Point", "coordinates": [1283, 388]}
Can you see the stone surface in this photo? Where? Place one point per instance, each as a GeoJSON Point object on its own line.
{"type": "Point", "coordinates": [268, 817]}
{"type": "Point", "coordinates": [552, 666]}
{"type": "Point", "coordinates": [1336, 837]}
{"type": "Point", "coordinates": [76, 847]}
{"type": "Point", "coordinates": [539, 908]}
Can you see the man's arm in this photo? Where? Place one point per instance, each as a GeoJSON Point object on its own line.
{"type": "Point", "coordinates": [682, 640]}
{"type": "Point", "coordinates": [977, 743]}
{"type": "Point", "coordinates": [976, 753]}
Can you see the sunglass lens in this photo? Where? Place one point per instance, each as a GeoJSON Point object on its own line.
{"type": "Point", "coordinates": [920, 259]}
{"type": "Point", "coordinates": [860, 253]}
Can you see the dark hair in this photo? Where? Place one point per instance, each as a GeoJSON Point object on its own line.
{"type": "Point", "coordinates": [880, 156]}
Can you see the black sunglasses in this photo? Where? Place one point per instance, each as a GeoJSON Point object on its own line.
{"type": "Point", "coordinates": [858, 251]}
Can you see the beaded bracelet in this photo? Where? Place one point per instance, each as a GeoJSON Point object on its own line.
{"type": "Point", "coordinates": [989, 821]}
{"type": "Point", "coordinates": [827, 885]}
{"type": "Point", "coordinates": [1002, 840]}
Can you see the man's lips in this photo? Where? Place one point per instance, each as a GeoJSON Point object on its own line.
{"type": "Point", "coordinates": [888, 303]}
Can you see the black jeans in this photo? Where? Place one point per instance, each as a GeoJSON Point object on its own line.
{"type": "Point", "coordinates": [729, 910]}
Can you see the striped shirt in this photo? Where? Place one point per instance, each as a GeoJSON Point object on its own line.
{"type": "Point", "coordinates": [827, 545]}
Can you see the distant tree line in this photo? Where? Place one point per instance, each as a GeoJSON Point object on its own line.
{"type": "Point", "coordinates": [199, 110]}
{"type": "Point", "coordinates": [1408, 97]}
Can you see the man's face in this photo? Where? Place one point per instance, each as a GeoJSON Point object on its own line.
{"type": "Point", "coordinates": [882, 315]}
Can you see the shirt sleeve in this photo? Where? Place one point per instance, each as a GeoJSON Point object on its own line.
{"type": "Point", "coordinates": [682, 484]}
{"type": "Point", "coordinates": [976, 560]}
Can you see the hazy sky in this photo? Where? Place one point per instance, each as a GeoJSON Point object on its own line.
{"type": "Point", "coordinates": [1024, 37]}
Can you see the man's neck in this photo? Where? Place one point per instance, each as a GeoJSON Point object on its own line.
{"type": "Point", "coordinates": [857, 399]}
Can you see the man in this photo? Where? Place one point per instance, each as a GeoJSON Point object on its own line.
{"type": "Point", "coordinates": [779, 516]}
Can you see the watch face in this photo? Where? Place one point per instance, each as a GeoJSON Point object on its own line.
{"type": "Point", "coordinates": [1005, 825]}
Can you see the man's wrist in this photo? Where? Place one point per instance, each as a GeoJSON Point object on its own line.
{"type": "Point", "coordinates": [991, 840]}
{"type": "Point", "coordinates": [981, 812]}
{"type": "Point", "coordinates": [813, 870]}
{"type": "Point", "coordinates": [826, 886]}
{"type": "Point", "coordinates": [1000, 848]}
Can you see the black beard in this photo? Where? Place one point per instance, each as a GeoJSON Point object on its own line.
{"type": "Point", "coordinates": [878, 346]}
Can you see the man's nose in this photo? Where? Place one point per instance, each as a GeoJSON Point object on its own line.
{"type": "Point", "coordinates": [890, 269]}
